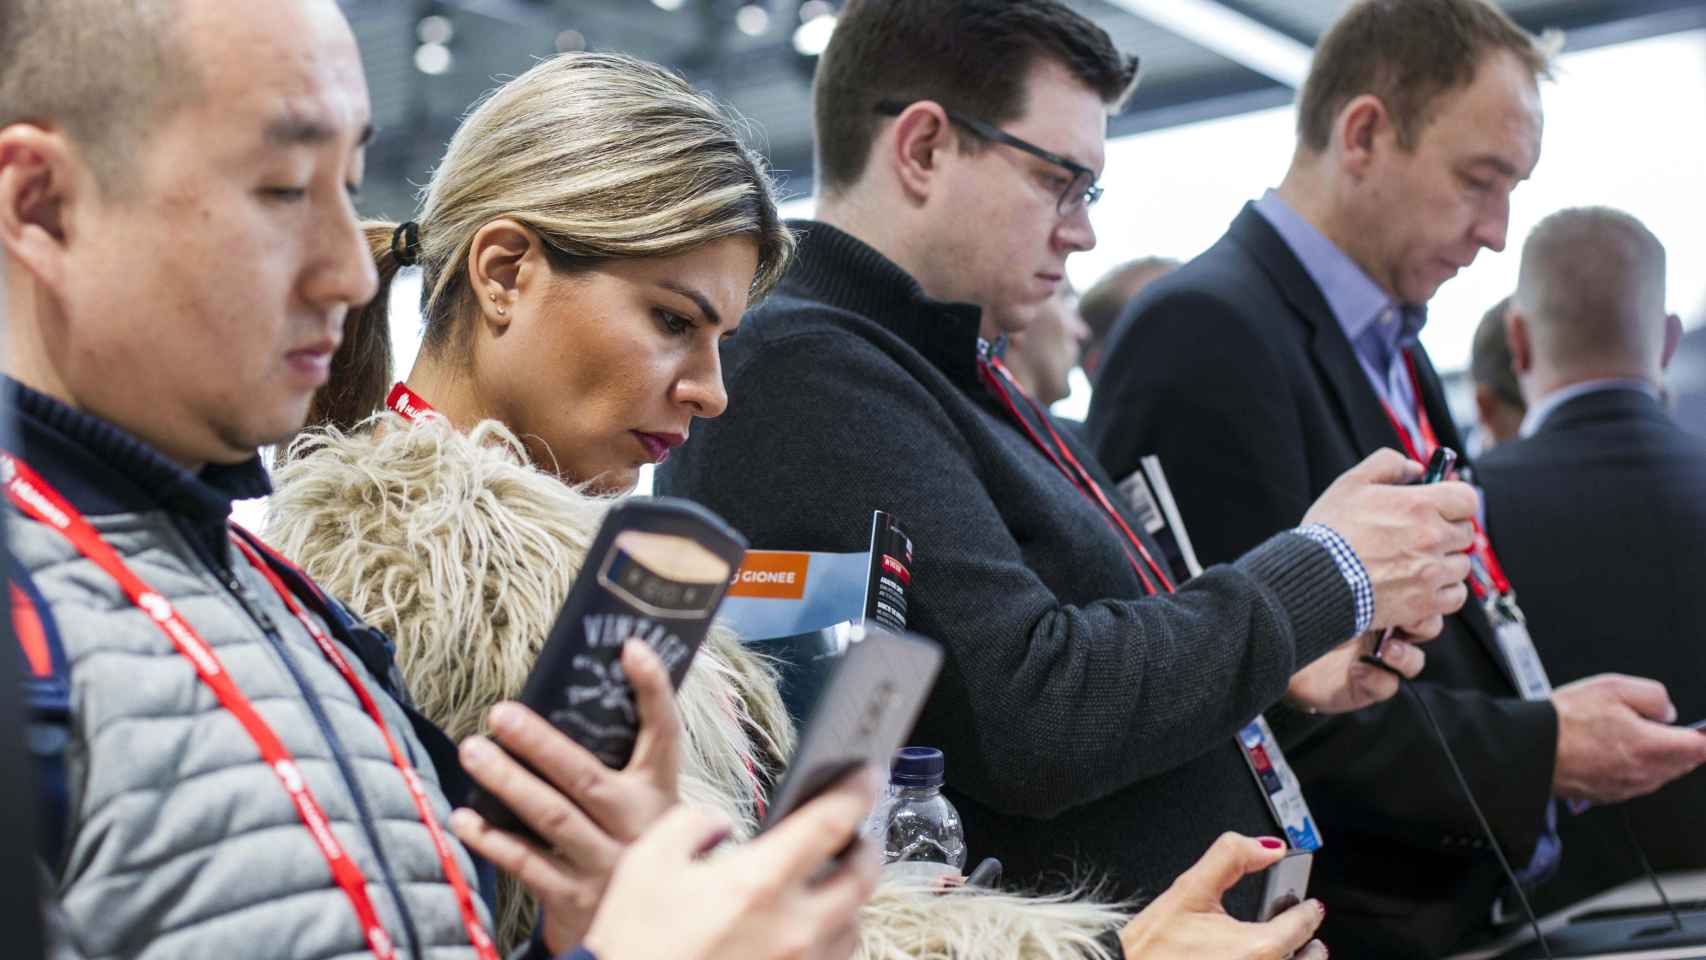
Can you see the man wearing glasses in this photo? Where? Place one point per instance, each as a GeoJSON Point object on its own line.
{"type": "Point", "coordinates": [1089, 714]}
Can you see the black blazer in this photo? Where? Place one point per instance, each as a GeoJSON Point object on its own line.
{"type": "Point", "coordinates": [1610, 491]}
{"type": "Point", "coordinates": [1236, 373]}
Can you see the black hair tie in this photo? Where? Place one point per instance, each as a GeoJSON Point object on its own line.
{"type": "Point", "coordinates": [406, 243]}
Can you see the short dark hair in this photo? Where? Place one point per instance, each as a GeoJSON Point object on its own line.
{"type": "Point", "coordinates": [1490, 356]}
{"type": "Point", "coordinates": [1102, 305]}
{"type": "Point", "coordinates": [103, 72]}
{"type": "Point", "coordinates": [1408, 53]}
{"type": "Point", "coordinates": [968, 55]}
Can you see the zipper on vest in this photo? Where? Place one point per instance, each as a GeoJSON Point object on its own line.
{"type": "Point", "coordinates": [235, 586]}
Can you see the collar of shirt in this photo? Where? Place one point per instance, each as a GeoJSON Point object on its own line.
{"type": "Point", "coordinates": [1537, 414]}
{"type": "Point", "coordinates": [1377, 328]}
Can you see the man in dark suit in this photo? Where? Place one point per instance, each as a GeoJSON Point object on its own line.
{"type": "Point", "coordinates": [1269, 364]}
{"type": "Point", "coordinates": [1605, 489]}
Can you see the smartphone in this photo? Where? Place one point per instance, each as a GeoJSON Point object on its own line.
{"type": "Point", "coordinates": [1440, 465]}
{"type": "Point", "coordinates": [870, 701]}
{"type": "Point", "coordinates": [657, 571]}
{"type": "Point", "coordinates": [1285, 884]}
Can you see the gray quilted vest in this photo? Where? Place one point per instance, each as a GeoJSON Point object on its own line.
{"type": "Point", "coordinates": [180, 842]}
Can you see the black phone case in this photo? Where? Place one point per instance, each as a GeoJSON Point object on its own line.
{"type": "Point", "coordinates": [577, 683]}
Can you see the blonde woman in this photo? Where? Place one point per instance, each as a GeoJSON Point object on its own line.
{"type": "Point", "coordinates": [595, 230]}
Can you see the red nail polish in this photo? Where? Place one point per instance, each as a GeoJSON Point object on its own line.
{"type": "Point", "coordinates": [1273, 843]}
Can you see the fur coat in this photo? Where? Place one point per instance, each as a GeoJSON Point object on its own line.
{"type": "Point", "coordinates": [462, 553]}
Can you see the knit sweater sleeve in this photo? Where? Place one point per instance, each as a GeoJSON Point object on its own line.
{"type": "Point", "coordinates": [1042, 705]}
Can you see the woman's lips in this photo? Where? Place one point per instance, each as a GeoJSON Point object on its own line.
{"type": "Point", "coordinates": [657, 445]}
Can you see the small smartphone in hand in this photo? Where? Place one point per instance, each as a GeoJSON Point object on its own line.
{"type": "Point", "coordinates": [1285, 884]}
{"type": "Point", "coordinates": [869, 703]}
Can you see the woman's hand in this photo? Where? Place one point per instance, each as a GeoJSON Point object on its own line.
{"type": "Point", "coordinates": [1188, 922]}
{"type": "Point", "coordinates": [587, 812]}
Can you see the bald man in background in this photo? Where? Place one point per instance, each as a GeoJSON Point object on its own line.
{"type": "Point", "coordinates": [1600, 512]}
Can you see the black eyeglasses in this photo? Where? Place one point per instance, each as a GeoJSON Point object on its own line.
{"type": "Point", "coordinates": [1081, 189]}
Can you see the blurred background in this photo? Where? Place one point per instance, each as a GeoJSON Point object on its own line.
{"type": "Point", "coordinates": [1209, 128]}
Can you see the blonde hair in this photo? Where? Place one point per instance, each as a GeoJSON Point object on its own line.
{"type": "Point", "coordinates": [605, 157]}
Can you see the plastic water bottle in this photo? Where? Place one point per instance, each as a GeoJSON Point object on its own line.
{"type": "Point", "coordinates": [924, 837]}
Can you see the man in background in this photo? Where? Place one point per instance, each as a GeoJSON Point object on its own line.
{"type": "Point", "coordinates": [1498, 399]}
{"type": "Point", "coordinates": [1105, 302]}
{"type": "Point", "coordinates": [1044, 352]}
{"type": "Point", "coordinates": [1605, 489]}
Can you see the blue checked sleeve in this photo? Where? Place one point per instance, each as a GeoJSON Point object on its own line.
{"type": "Point", "coordinates": [1350, 567]}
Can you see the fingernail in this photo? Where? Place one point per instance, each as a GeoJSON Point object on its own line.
{"type": "Point", "coordinates": [475, 752]}
{"type": "Point", "coordinates": [463, 819]}
{"type": "Point", "coordinates": [1273, 843]}
{"type": "Point", "coordinates": [503, 718]}
{"type": "Point", "coordinates": [638, 651]}
{"type": "Point", "coordinates": [1320, 909]}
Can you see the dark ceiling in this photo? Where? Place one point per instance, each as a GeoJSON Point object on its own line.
{"type": "Point", "coordinates": [768, 81]}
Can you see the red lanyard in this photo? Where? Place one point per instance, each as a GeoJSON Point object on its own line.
{"type": "Point", "coordinates": [1000, 380]}
{"type": "Point", "coordinates": [406, 403]}
{"type": "Point", "coordinates": [1486, 566]}
{"type": "Point", "coordinates": [38, 500]}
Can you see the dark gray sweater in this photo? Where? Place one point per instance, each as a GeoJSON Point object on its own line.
{"type": "Point", "coordinates": [1088, 728]}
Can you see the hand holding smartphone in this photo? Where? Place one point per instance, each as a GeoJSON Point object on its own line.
{"type": "Point", "coordinates": [1439, 469]}
{"type": "Point", "coordinates": [869, 703]}
{"type": "Point", "coordinates": [1285, 884]}
{"type": "Point", "coordinates": [656, 573]}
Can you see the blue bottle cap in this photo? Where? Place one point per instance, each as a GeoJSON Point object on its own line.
{"type": "Point", "coordinates": [917, 767]}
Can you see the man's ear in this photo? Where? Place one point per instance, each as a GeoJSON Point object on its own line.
{"type": "Point", "coordinates": [40, 181]}
{"type": "Point", "coordinates": [1673, 340]}
{"type": "Point", "coordinates": [1521, 343]}
{"type": "Point", "coordinates": [1361, 126]}
{"type": "Point", "coordinates": [921, 133]}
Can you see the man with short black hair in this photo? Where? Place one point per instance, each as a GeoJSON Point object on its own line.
{"type": "Point", "coordinates": [1288, 351]}
{"type": "Point", "coordinates": [1605, 488]}
{"type": "Point", "coordinates": [1088, 712]}
{"type": "Point", "coordinates": [1103, 304]}
{"type": "Point", "coordinates": [1499, 407]}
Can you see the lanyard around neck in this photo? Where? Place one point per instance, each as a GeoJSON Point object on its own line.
{"type": "Point", "coordinates": [37, 499]}
{"type": "Point", "coordinates": [1487, 576]}
{"type": "Point", "coordinates": [406, 403]}
{"type": "Point", "coordinates": [1001, 382]}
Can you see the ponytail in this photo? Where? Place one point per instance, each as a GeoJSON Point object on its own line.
{"type": "Point", "coordinates": [361, 369]}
